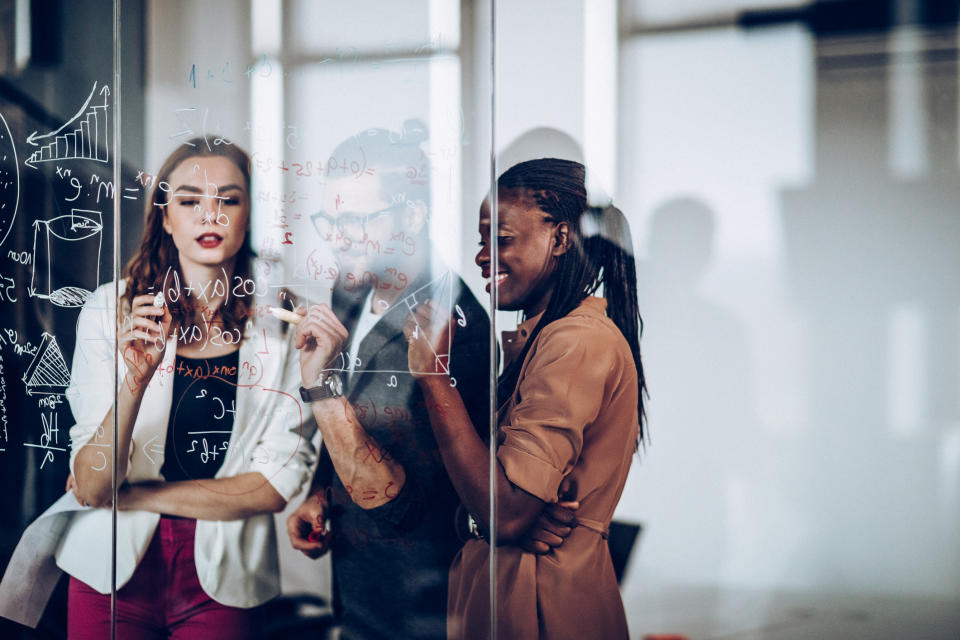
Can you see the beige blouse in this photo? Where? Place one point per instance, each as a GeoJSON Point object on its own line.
{"type": "Point", "coordinates": [574, 415]}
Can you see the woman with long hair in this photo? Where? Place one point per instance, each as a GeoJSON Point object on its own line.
{"type": "Point", "coordinates": [570, 409]}
{"type": "Point", "coordinates": [207, 446]}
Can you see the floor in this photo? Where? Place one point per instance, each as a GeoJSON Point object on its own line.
{"type": "Point", "coordinates": [709, 613]}
{"type": "Point", "coordinates": [704, 613]}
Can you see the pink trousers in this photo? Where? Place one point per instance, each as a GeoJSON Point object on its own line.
{"type": "Point", "coordinates": [163, 599]}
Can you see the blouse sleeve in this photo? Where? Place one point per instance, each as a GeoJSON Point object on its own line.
{"type": "Point", "coordinates": [90, 392]}
{"type": "Point", "coordinates": [569, 377]}
{"type": "Point", "coordinates": [288, 439]}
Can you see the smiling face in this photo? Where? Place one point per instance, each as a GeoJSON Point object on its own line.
{"type": "Point", "coordinates": [529, 241]}
{"type": "Point", "coordinates": [207, 211]}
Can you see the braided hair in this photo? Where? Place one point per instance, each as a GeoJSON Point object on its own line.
{"type": "Point", "coordinates": [600, 254]}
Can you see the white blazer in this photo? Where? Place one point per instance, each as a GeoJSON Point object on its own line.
{"type": "Point", "coordinates": [237, 560]}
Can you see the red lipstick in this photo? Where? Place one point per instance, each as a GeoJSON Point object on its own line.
{"type": "Point", "coordinates": [210, 240]}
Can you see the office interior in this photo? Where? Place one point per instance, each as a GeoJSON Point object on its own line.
{"type": "Point", "coordinates": [790, 172]}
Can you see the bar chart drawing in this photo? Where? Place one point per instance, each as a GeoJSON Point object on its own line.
{"type": "Point", "coordinates": [59, 245]}
{"type": "Point", "coordinates": [83, 137]}
{"type": "Point", "coordinates": [9, 180]}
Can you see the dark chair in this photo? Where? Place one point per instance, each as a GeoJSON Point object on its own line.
{"type": "Point", "coordinates": [623, 536]}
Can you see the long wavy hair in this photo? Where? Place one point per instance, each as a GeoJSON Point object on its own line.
{"type": "Point", "coordinates": [157, 258]}
{"type": "Point", "coordinates": [600, 253]}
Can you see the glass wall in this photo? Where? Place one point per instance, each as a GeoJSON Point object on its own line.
{"type": "Point", "coordinates": [62, 202]}
{"type": "Point", "coordinates": [258, 376]}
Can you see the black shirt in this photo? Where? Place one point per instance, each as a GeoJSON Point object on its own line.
{"type": "Point", "coordinates": [201, 416]}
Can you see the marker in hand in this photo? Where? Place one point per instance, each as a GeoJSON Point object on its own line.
{"type": "Point", "coordinates": [285, 315]}
{"type": "Point", "coordinates": [319, 531]}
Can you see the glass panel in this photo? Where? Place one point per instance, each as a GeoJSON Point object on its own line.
{"type": "Point", "coordinates": [568, 423]}
{"type": "Point", "coordinates": [789, 190]}
{"type": "Point", "coordinates": [291, 179]}
{"type": "Point", "coordinates": [359, 166]}
{"type": "Point", "coordinates": [796, 274]}
{"type": "Point", "coordinates": [387, 151]}
{"type": "Point", "coordinates": [796, 270]}
{"type": "Point", "coordinates": [59, 197]}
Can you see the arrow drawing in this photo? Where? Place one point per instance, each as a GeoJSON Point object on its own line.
{"type": "Point", "coordinates": [155, 448]}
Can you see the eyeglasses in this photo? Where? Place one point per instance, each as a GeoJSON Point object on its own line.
{"type": "Point", "coordinates": [348, 223]}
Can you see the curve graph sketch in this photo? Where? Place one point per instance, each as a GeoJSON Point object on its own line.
{"type": "Point", "coordinates": [83, 137]}
{"type": "Point", "coordinates": [9, 180]}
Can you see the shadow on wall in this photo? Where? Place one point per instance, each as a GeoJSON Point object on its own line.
{"type": "Point", "coordinates": [851, 510]}
{"type": "Point", "coordinates": [539, 142]}
{"type": "Point", "coordinates": [701, 414]}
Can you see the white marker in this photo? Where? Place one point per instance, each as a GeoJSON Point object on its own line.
{"type": "Point", "coordinates": [158, 300]}
{"type": "Point", "coordinates": [286, 316]}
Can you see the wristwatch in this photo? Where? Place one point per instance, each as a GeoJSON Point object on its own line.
{"type": "Point", "coordinates": [329, 386]}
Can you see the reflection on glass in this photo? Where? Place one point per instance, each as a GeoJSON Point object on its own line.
{"type": "Point", "coordinates": [57, 216]}
{"type": "Point", "coordinates": [348, 224]}
{"type": "Point", "coordinates": [386, 516]}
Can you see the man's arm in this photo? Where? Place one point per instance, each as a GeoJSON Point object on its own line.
{"type": "Point", "coordinates": [370, 475]}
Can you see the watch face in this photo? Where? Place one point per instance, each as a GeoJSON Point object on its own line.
{"type": "Point", "coordinates": [335, 384]}
{"type": "Point", "coordinates": [330, 386]}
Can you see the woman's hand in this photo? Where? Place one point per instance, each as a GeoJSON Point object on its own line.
{"type": "Point", "coordinates": [144, 340]}
{"type": "Point", "coordinates": [307, 527]}
{"type": "Point", "coordinates": [71, 485]}
{"type": "Point", "coordinates": [554, 523]}
{"type": "Point", "coordinates": [429, 333]}
{"type": "Point", "coordinates": [320, 337]}
{"type": "Point", "coordinates": [551, 528]}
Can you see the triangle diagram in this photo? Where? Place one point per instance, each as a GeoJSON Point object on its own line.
{"type": "Point", "coordinates": [48, 372]}
{"type": "Point", "coordinates": [440, 290]}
